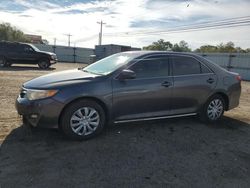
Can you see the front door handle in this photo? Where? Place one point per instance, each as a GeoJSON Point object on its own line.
{"type": "Point", "coordinates": [210, 80]}
{"type": "Point", "coordinates": [166, 84]}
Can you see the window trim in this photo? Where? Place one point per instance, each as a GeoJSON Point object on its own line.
{"type": "Point", "coordinates": [170, 64]}
{"type": "Point", "coordinates": [201, 63]}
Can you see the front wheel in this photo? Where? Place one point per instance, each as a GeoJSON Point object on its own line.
{"type": "Point", "coordinates": [213, 110]}
{"type": "Point", "coordinates": [44, 64]}
{"type": "Point", "coordinates": [82, 120]}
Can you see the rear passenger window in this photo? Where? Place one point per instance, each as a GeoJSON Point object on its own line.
{"type": "Point", "coordinates": [20, 48]}
{"type": "Point", "coordinates": [11, 47]}
{"type": "Point", "coordinates": [28, 48]}
{"type": "Point", "coordinates": [187, 65]}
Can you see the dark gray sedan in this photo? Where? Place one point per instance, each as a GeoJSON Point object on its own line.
{"type": "Point", "coordinates": [128, 87]}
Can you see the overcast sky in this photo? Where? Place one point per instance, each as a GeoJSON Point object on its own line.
{"type": "Point", "coordinates": [54, 18]}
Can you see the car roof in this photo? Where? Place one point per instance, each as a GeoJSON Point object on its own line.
{"type": "Point", "coordinates": [16, 43]}
{"type": "Point", "coordinates": [145, 52]}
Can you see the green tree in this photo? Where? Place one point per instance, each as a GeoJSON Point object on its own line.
{"type": "Point", "coordinates": [229, 47]}
{"type": "Point", "coordinates": [240, 50]}
{"type": "Point", "coordinates": [226, 48]}
{"type": "Point", "coordinates": [159, 45]}
{"type": "Point", "coordinates": [10, 33]}
{"type": "Point", "coordinates": [181, 47]}
{"type": "Point", "coordinates": [207, 49]}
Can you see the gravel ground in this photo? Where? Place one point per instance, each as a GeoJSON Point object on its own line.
{"type": "Point", "coordinates": [168, 153]}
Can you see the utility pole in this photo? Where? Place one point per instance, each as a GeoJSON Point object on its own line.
{"type": "Point", "coordinates": [54, 47]}
{"type": "Point", "coordinates": [100, 34]}
{"type": "Point", "coordinates": [69, 35]}
{"type": "Point", "coordinates": [54, 41]}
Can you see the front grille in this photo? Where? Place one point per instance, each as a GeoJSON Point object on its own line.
{"type": "Point", "coordinates": [23, 93]}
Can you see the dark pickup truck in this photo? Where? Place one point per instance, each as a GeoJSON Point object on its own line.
{"type": "Point", "coordinates": [23, 53]}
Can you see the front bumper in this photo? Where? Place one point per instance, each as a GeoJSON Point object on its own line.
{"type": "Point", "coordinates": [54, 61]}
{"type": "Point", "coordinates": [40, 113]}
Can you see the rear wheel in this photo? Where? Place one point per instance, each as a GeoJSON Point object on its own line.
{"type": "Point", "coordinates": [4, 62]}
{"type": "Point", "coordinates": [213, 110]}
{"type": "Point", "coordinates": [44, 64]}
{"type": "Point", "coordinates": [82, 120]}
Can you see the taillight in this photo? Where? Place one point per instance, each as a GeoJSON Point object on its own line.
{"type": "Point", "coordinates": [238, 77]}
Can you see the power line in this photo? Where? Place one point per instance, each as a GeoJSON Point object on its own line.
{"type": "Point", "coordinates": [232, 22]}
{"type": "Point", "coordinates": [189, 25]}
{"type": "Point", "coordinates": [199, 28]}
{"type": "Point", "coordinates": [183, 28]}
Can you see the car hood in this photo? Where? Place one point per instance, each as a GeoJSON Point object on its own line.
{"type": "Point", "coordinates": [59, 79]}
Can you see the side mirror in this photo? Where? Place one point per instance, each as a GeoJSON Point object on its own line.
{"type": "Point", "coordinates": [126, 74]}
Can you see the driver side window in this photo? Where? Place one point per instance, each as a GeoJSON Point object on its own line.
{"type": "Point", "coordinates": [155, 66]}
{"type": "Point", "coordinates": [28, 48]}
{"type": "Point", "coordinates": [24, 48]}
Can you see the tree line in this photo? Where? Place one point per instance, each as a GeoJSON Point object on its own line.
{"type": "Point", "coordinates": [183, 46]}
{"type": "Point", "coordinates": [10, 33]}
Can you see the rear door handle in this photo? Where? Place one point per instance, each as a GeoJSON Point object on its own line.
{"type": "Point", "coordinates": [166, 84]}
{"type": "Point", "coordinates": [210, 80]}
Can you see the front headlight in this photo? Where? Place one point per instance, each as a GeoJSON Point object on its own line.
{"type": "Point", "coordinates": [53, 57]}
{"type": "Point", "coordinates": [39, 94]}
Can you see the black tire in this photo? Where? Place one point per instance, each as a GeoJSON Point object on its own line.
{"type": "Point", "coordinates": [207, 112]}
{"type": "Point", "coordinates": [2, 61]}
{"type": "Point", "coordinates": [44, 64]}
{"type": "Point", "coordinates": [7, 64]}
{"type": "Point", "coordinates": [71, 111]}
{"type": "Point", "coordinates": [26, 122]}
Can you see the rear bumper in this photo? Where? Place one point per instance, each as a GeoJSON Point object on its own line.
{"type": "Point", "coordinates": [40, 113]}
{"type": "Point", "coordinates": [234, 97]}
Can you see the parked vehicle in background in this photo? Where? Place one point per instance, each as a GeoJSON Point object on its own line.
{"type": "Point", "coordinates": [128, 87]}
{"type": "Point", "coordinates": [23, 53]}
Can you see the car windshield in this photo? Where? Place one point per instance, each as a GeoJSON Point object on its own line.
{"type": "Point", "coordinates": [109, 64]}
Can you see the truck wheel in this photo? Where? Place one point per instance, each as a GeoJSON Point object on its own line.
{"type": "Point", "coordinates": [4, 62]}
{"type": "Point", "coordinates": [82, 120]}
{"type": "Point", "coordinates": [44, 64]}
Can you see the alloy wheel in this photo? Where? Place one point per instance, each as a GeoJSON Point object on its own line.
{"type": "Point", "coordinates": [84, 121]}
{"type": "Point", "coordinates": [215, 109]}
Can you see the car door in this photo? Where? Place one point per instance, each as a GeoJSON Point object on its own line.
{"type": "Point", "coordinates": [193, 83]}
{"type": "Point", "coordinates": [26, 54]}
{"type": "Point", "coordinates": [148, 94]}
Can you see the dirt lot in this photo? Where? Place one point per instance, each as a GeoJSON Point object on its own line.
{"type": "Point", "coordinates": [170, 153]}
